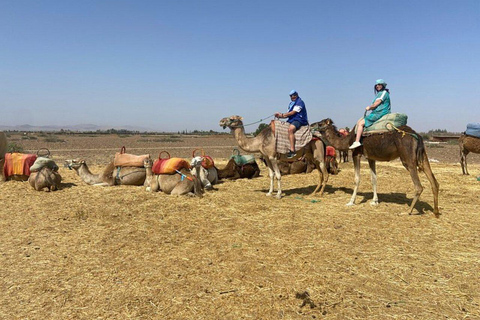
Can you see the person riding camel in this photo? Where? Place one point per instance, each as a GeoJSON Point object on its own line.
{"type": "Point", "coordinates": [297, 117]}
{"type": "Point", "coordinates": [380, 106]}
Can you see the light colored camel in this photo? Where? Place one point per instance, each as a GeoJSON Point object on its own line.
{"type": "Point", "coordinates": [208, 177]}
{"type": "Point", "coordinates": [183, 183]}
{"type": "Point", "coordinates": [405, 144]}
{"type": "Point", "coordinates": [45, 179]}
{"type": "Point", "coordinates": [132, 176]}
{"type": "Point", "coordinates": [3, 150]}
{"type": "Point", "coordinates": [264, 143]}
{"type": "Point", "coordinates": [467, 144]}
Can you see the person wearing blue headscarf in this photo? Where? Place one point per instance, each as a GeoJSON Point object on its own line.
{"type": "Point", "coordinates": [297, 117]}
{"type": "Point", "coordinates": [380, 106]}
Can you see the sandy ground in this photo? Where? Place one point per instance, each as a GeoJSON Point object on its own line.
{"type": "Point", "coordinates": [120, 252]}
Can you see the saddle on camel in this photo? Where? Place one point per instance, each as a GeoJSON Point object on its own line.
{"type": "Point", "coordinates": [170, 165]}
{"type": "Point", "coordinates": [388, 139]}
{"type": "Point", "coordinates": [266, 143]}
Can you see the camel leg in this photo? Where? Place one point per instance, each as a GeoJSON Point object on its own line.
{"type": "Point", "coordinates": [356, 165]}
{"type": "Point", "coordinates": [322, 178]}
{"type": "Point", "coordinates": [271, 174]}
{"type": "Point", "coordinates": [278, 175]}
{"type": "Point", "coordinates": [412, 169]}
{"type": "Point", "coordinates": [433, 182]}
{"type": "Point", "coordinates": [463, 161]}
{"type": "Point", "coordinates": [373, 171]}
{"type": "Point", "coordinates": [184, 187]}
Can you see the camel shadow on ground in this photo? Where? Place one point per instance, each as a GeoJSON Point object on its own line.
{"type": "Point", "coordinates": [363, 197]}
{"type": "Point", "coordinates": [67, 185]}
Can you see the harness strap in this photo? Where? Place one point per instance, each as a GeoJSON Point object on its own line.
{"type": "Point", "coordinates": [183, 176]}
{"type": "Point", "coordinates": [403, 132]}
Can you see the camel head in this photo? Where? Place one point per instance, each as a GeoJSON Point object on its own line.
{"type": "Point", "coordinates": [231, 122]}
{"type": "Point", "coordinates": [148, 163]}
{"type": "Point", "coordinates": [196, 161]}
{"type": "Point", "coordinates": [74, 163]}
{"type": "Point", "coordinates": [322, 125]}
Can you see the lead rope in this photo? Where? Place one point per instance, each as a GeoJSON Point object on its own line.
{"type": "Point", "coordinates": [249, 124]}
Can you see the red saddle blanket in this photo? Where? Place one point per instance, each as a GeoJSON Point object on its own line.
{"type": "Point", "coordinates": [169, 166]}
{"type": "Point", "coordinates": [18, 164]}
{"type": "Point", "coordinates": [330, 151]}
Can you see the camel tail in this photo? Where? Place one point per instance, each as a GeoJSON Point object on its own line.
{"type": "Point", "coordinates": [107, 174]}
{"type": "Point", "coordinates": [421, 154]}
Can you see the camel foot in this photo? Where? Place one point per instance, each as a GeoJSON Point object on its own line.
{"type": "Point", "coordinates": [278, 196]}
{"type": "Point", "coordinates": [374, 203]}
{"type": "Point", "coordinates": [350, 204]}
{"type": "Point", "coordinates": [148, 189]}
{"type": "Point", "coordinates": [269, 194]}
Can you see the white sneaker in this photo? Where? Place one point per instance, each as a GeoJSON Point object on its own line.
{"type": "Point", "coordinates": [354, 145]}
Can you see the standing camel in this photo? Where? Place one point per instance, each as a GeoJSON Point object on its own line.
{"type": "Point", "coordinates": [264, 143]}
{"type": "Point", "coordinates": [467, 144]}
{"type": "Point", "coordinates": [404, 144]}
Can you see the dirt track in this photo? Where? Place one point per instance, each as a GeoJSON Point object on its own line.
{"type": "Point", "coordinates": [120, 252]}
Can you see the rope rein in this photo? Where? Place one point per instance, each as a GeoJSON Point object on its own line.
{"type": "Point", "coordinates": [249, 124]}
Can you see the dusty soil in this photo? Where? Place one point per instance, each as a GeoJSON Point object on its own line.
{"type": "Point", "coordinates": [120, 252]}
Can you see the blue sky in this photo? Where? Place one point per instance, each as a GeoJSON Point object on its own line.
{"type": "Point", "coordinates": [184, 65]}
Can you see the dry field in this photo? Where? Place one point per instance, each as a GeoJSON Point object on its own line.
{"type": "Point", "coordinates": [120, 252]}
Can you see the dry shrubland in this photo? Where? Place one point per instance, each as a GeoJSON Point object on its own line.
{"type": "Point", "coordinates": [87, 252]}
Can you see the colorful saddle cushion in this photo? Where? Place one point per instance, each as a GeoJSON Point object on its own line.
{"type": "Point", "coordinates": [18, 164]}
{"type": "Point", "coordinates": [330, 151]}
{"type": "Point", "coordinates": [169, 166]}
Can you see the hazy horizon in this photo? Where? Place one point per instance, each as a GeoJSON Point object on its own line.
{"type": "Point", "coordinates": [183, 65]}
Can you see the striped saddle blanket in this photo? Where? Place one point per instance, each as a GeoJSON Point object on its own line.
{"type": "Point", "coordinates": [169, 166]}
{"type": "Point", "coordinates": [18, 164]}
{"type": "Point", "coordinates": [302, 136]}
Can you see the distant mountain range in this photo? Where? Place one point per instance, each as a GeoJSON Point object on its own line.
{"type": "Point", "coordinates": [77, 127]}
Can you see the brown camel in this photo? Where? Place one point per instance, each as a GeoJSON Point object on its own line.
{"type": "Point", "coordinates": [45, 179]}
{"type": "Point", "coordinates": [184, 183]}
{"type": "Point", "coordinates": [404, 144]}
{"type": "Point", "coordinates": [132, 176]}
{"type": "Point", "coordinates": [467, 144]}
{"type": "Point", "coordinates": [233, 171]}
{"type": "Point", "coordinates": [264, 143]}
{"type": "Point", "coordinates": [295, 167]}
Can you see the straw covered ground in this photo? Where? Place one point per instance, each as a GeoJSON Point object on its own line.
{"type": "Point", "coordinates": [87, 252]}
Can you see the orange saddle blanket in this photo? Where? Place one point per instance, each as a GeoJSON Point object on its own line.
{"type": "Point", "coordinates": [169, 166]}
{"type": "Point", "coordinates": [18, 164]}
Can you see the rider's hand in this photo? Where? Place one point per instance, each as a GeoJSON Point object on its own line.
{"type": "Point", "coordinates": [277, 114]}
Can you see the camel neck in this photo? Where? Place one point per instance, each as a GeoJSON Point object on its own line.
{"type": "Point", "coordinates": [247, 144]}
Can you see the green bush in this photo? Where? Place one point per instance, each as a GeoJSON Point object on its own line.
{"type": "Point", "coordinates": [14, 147]}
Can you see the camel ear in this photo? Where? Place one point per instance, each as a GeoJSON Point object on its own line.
{"type": "Point", "coordinates": [82, 161]}
{"type": "Point", "coordinates": [329, 121]}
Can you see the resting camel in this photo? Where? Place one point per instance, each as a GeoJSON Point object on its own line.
{"type": "Point", "coordinates": [467, 144]}
{"type": "Point", "coordinates": [45, 179]}
{"type": "Point", "coordinates": [404, 144]}
{"type": "Point", "coordinates": [3, 150]}
{"type": "Point", "coordinates": [264, 143]}
{"type": "Point", "coordinates": [132, 176]}
{"type": "Point", "coordinates": [208, 177]}
{"type": "Point", "coordinates": [233, 171]}
{"type": "Point", "coordinates": [176, 184]}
